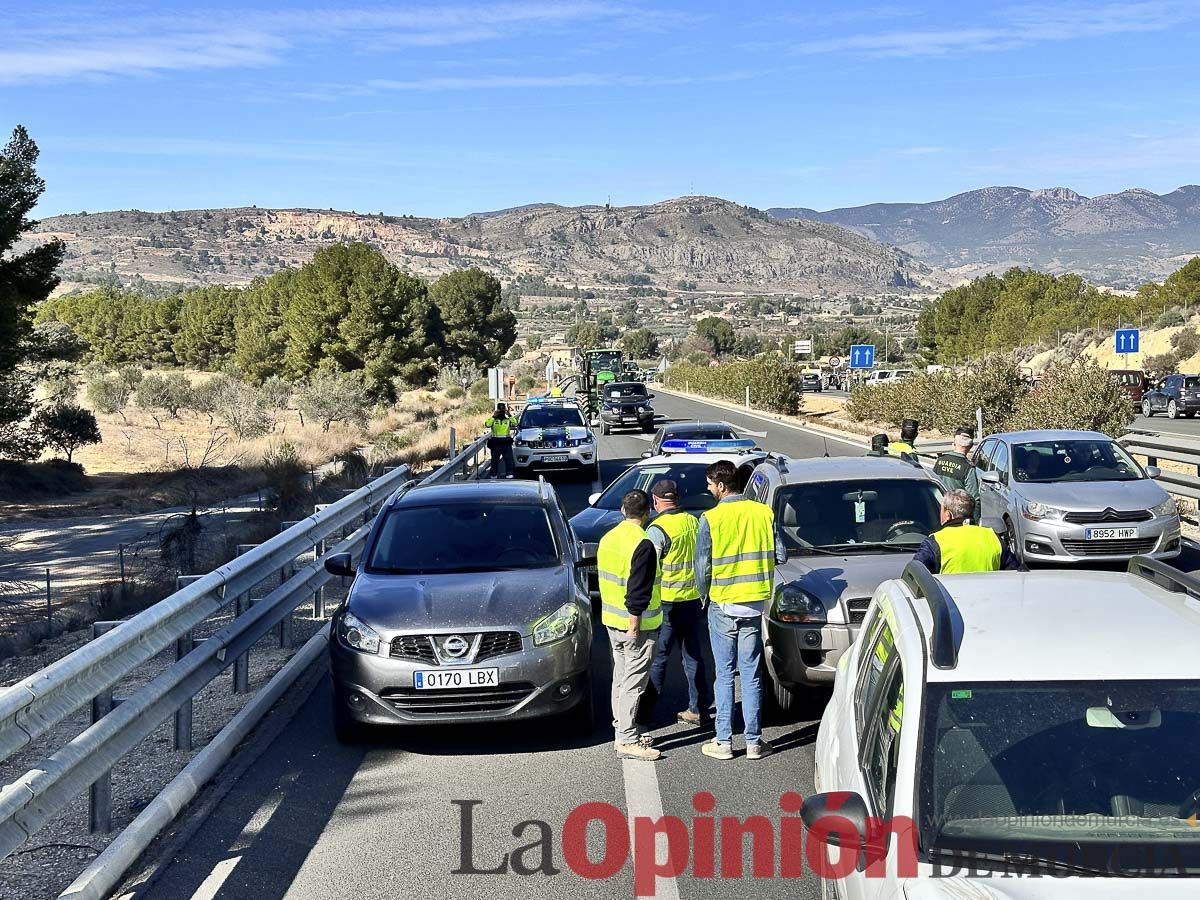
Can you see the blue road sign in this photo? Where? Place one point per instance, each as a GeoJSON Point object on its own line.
{"type": "Point", "coordinates": [862, 356]}
{"type": "Point", "coordinates": [1128, 340]}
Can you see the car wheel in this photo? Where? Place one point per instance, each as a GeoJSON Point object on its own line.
{"type": "Point", "coordinates": [1146, 410]}
{"type": "Point", "coordinates": [345, 728]}
{"type": "Point", "coordinates": [580, 719]}
{"type": "Point", "coordinates": [1014, 545]}
{"type": "Point", "coordinates": [1172, 410]}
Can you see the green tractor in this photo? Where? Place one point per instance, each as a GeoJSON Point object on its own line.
{"type": "Point", "coordinates": [599, 368]}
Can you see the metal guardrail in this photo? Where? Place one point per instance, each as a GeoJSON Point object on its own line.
{"type": "Point", "coordinates": [1178, 448]}
{"type": "Point", "coordinates": [30, 708]}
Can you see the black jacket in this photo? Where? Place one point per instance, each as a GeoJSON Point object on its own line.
{"type": "Point", "coordinates": [643, 569]}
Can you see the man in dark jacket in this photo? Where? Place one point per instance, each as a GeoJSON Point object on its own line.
{"type": "Point", "coordinates": [954, 469]}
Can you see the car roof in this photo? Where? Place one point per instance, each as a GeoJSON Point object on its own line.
{"type": "Point", "coordinates": [1067, 626]}
{"type": "Point", "coordinates": [686, 427]}
{"type": "Point", "coordinates": [515, 491]}
{"type": "Point", "coordinates": [846, 468]}
{"type": "Point", "coordinates": [737, 459]}
{"type": "Point", "coordinates": [1050, 434]}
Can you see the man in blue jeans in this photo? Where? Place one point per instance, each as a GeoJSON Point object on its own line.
{"type": "Point", "coordinates": [673, 534]}
{"type": "Point", "coordinates": [736, 552]}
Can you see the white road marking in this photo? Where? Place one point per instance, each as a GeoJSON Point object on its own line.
{"type": "Point", "coordinates": [856, 444]}
{"type": "Point", "coordinates": [643, 437]}
{"type": "Point", "coordinates": [643, 800]}
{"type": "Point", "coordinates": [222, 870]}
{"type": "Point", "coordinates": [216, 878]}
{"type": "Point", "coordinates": [761, 434]}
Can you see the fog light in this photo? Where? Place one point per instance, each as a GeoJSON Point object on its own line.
{"type": "Point", "coordinates": [1033, 547]}
{"type": "Point", "coordinates": [356, 699]}
{"type": "Point", "coordinates": [812, 638]}
{"type": "Point", "coordinates": [564, 689]}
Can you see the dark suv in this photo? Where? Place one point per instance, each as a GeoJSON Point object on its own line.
{"type": "Point", "coordinates": [625, 404]}
{"type": "Point", "coordinates": [1175, 395]}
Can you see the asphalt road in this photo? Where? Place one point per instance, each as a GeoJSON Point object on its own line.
{"type": "Point", "coordinates": [312, 819]}
{"type": "Point", "coordinates": [1163, 425]}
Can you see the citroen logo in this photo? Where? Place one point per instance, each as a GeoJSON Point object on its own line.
{"type": "Point", "coordinates": [456, 646]}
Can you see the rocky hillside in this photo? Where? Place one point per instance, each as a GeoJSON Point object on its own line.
{"type": "Point", "coordinates": [1116, 239]}
{"type": "Point", "coordinates": [707, 241]}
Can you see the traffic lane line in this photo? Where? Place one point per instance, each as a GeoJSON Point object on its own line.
{"type": "Point", "coordinates": [643, 800]}
{"type": "Point", "coordinates": [787, 441]}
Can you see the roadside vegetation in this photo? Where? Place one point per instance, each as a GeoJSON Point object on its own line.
{"type": "Point", "coordinates": [1024, 308]}
{"type": "Point", "coordinates": [1070, 394]}
{"type": "Point", "coordinates": [773, 382]}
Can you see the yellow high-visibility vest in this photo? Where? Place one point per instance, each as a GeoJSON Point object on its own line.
{"type": "Point", "coordinates": [678, 565]}
{"type": "Point", "coordinates": [743, 551]}
{"type": "Point", "coordinates": [899, 448]}
{"type": "Point", "coordinates": [968, 548]}
{"type": "Point", "coordinates": [500, 427]}
{"type": "Point", "coordinates": [613, 559]}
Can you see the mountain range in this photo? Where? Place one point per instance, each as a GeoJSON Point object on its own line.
{"type": "Point", "coordinates": [1121, 240]}
{"type": "Point", "coordinates": [702, 241]}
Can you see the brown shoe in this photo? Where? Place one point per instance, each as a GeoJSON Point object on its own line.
{"type": "Point", "coordinates": [637, 751]}
{"type": "Point", "coordinates": [687, 717]}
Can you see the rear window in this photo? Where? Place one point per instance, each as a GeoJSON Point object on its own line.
{"type": "Point", "coordinates": [462, 537]}
{"type": "Point", "coordinates": [1191, 383]}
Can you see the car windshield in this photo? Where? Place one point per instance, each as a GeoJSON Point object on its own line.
{"type": "Point", "coordinates": [606, 361]}
{"type": "Point", "coordinates": [625, 390]}
{"type": "Point", "coordinates": [550, 417]}
{"type": "Point", "coordinates": [1055, 769]}
{"type": "Point", "coordinates": [463, 537]}
{"type": "Point", "coordinates": [689, 476]}
{"type": "Point", "coordinates": [899, 511]}
{"type": "Point", "coordinates": [1045, 462]}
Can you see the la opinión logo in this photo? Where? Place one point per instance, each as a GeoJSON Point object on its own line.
{"type": "Point", "coordinates": [706, 846]}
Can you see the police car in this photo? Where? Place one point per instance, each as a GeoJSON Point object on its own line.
{"type": "Point", "coordinates": [1015, 734]}
{"type": "Point", "coordinates": [681, 461]}
{"type": "Point", "coordinates": [552, 434]}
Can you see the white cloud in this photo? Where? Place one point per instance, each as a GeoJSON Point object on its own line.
{"type": "Point", "coordinates": [99, 42]}
{"type": "Point", "coordinates": [1016, 27]}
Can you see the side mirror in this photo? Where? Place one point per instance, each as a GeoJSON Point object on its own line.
{"type": "Point", "coordinates": [593, 498]}
{"type": "Point", "coordinates": [1153, 471]}
{"type": "Point", "coordinates": [820, 813]}
{"type": "Point", "coordinates": [339, 564]}
{"type": "Point", "coordinates": [649, 396]}
{"type": "Point", "coordinates": [992, 477]}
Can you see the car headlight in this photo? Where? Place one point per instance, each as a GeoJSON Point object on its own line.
{"type": "Point", "coordinates": [357, 634]}
{"type": "Point", "coordinates": [1036, 511]}
{"type": "Point", "coordinates": [1167, 508]}
{"type": "Point", "coordinates": [641, 409]}
{"type": "Point", "coordinates": [795, 605]}
{"type": "Point", "coordinates": [556, 626]}
{"type": "Point", "coordinates": [521, 442]}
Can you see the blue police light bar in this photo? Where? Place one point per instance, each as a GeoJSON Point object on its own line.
{"type": "Point", "coordinates": [714, 446]}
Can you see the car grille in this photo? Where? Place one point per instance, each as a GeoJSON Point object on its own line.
{"type": "Point", "coordinates": [1110, 548]}
{"type": "Point", "coordinates": [466, 701]}
{"type": "Point", "coordinates": [497, 643]}
{"type": "Point", "coordinates": [857, 608]}
{"type": "Point", "coordinates": [413, 646]}
{"type": "Point", "coordinates": [557, 444]}
{"type": "Point", "coordinates": [420, 646]}
{"type": "Point", "coordinates": [1109, 515]}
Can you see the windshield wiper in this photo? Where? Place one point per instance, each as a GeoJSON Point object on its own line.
{"type": "Point", "coordinates": [1016, 859]}
{"type": "Point", "coordinates": [820, 550]}
{"type": "Point", "coordinates": [878, 545]}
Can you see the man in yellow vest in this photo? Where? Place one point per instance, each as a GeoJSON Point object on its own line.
{"type": "Point", "coordinates": [906, 446]}
{"type": "Point", "coordinates": [556, 391]}
{"type": "Point", "coordinates": [736, 552]}
{"type": "Point", "coordinates": [673, 533]}
{"type": "Point", "coordinates": [501, 428]}
{"type": "Point", "coordinates": [631, 611]}
{"type": "Point", "coordinates": [960, 546]}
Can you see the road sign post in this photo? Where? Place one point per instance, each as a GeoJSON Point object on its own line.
{"type": "Point", "coordinates": [862, 356]}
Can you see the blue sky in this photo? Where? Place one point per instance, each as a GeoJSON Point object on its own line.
{"type": "Point", "coordinates": [445, 109]}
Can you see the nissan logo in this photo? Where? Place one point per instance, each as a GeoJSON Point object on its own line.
{"type": "Point", "coordinates": [455, 646]}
